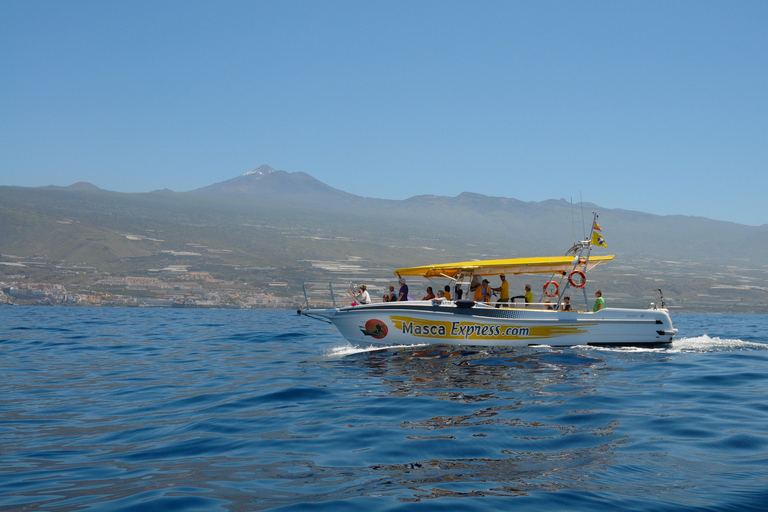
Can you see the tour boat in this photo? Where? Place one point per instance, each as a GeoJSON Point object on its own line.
{"type": "Point", "coordinates": [508, 324]}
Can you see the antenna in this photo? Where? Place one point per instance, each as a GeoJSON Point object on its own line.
{"type": "Point", "coordinates": [573, 222]}
{"type": "Point", "coordinates": [583, 226]}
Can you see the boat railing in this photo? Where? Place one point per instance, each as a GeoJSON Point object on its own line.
{"type": "Point", "coordinates": [334, 294]}
{"type": "Point", "coordinates": [544, 306]}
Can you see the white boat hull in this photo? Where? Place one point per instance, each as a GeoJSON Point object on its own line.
{"type": "Point", "coordinates": [423, 322]}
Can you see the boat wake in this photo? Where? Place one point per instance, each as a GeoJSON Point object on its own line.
{"type": "Point", "coordinates": [707, 344]}
{"type": "Point", "coordinates": [696, 344]}
{"type": "Point", "coordinates": [349, 350]}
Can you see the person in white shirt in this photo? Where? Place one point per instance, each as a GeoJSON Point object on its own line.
{"type": "Point", "coordinates": [361, 298]}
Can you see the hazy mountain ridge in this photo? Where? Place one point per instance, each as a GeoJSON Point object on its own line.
{"type": "Point", "coordinates": [287, 221]}
{"type": "Point", "coordinates": [556, 220]}
{"type": "Point", "coordinates": [265, 181]}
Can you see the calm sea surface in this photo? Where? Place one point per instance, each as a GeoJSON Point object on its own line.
{"type": "Point", "coordinates": [159, 409]}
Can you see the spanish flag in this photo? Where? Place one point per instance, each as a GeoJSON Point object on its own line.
{"type": "Point", "coordinates": [597, 235]}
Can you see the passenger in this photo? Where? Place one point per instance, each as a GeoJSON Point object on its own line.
{"type": "Point", "coordinates": [503, 291]}
{"type": "Point", "coordinates": [459, 291]}
{"type": "Point", "coordinates": [403, 294]}
{"type": "Point", "coordinates": [528, 295]}
{"type": "Point", "coordinates": [440, 297]}
{"type": "Point", "coordinates": [566, 306]}
{"type": "Point", "coordinates": [547, 303]}
{"type": "Point", "coordinates": [483, 292]}
{"type": "Point", "coordinates": [599, 302]}
{"type": "Point", "coordinates": [430, 294]}
{"type": "Point", "coordinates": [385, 298]}
{"type": "Point", "coordinates": [392, 294]}
{"type": "Point", "coordinates": [446, 293]}
{"type": "Point", "coordinates": [362, 297]}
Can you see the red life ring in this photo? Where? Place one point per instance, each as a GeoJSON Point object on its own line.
{"type": "Point", "coordinates": [553, 294]}
{"type": "Point", "coordinates": [582, 281]}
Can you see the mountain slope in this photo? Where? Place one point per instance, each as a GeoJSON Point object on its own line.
{"type": "Point", "coordinates": [264, 182]}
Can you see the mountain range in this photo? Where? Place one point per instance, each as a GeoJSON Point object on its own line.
{"type": "Point", "coordinates": [268, 225]}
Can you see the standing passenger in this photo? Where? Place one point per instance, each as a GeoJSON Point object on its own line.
{"type": "Point", "coordinates": [403, 295]}
{"type": "Point", "coordinates": [503, 291]}
{"type": "Point", "coordinates": [528, 294]}
{"type": "Point", "coordinates": [599, 302]}
{"type": "Point", "coordinates": [483, 292]}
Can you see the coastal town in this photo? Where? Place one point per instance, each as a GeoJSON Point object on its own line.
{"type": "Point", "coordinates": [41, 281]}
{"type": "Point", "coordinates": [142, 292]}
{"type": "Point", "coordinates": [174, 287]}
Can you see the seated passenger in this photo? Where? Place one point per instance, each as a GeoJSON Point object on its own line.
{"type": "Point", "coordinates": [362, 297]}
{"type": "Point", "coordinates": [566, 306]}
{"type": "Point", "coordinates": [446, 293]}
{"type": "Point", "coordinates": [430, 294]}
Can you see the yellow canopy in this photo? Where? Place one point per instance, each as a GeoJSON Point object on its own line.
{"type": "Point", "coordinates": [509, 266]}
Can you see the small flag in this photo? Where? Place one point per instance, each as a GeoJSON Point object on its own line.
{"type": "Point", "coordinates": [597, 238]}
{"type": "Point", "coordinates": [596, 227]}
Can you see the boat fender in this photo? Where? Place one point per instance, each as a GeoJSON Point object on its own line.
{"type": "Point", "coordinates": [546, 287]}
{"type": "Point", "coordinates": [465, 304]}
{"type": "Point", "coordinates": [582, 279]}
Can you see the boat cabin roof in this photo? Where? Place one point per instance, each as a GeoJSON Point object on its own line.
{"type": "Point", "coordinates": [514, 266]}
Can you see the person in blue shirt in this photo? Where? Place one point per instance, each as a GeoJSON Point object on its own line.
{"type": "Point", "coordinates": [403, 295]}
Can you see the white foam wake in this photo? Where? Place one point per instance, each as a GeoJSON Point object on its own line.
{"type": "Point", "coordinates": [348, 350]}
{"type": "Point", "coordinates": [701, 344]}
{"type": "Point", "coordinates": [705, 343]}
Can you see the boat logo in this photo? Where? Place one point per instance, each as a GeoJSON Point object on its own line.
{"type": "Point", "coordinates": [375, 328]}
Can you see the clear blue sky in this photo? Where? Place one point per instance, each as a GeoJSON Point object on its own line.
{"type": "Point", "coordinates": [657, 106]}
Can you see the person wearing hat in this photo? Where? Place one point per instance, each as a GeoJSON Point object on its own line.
{"type": "Point", "coordinates": [403, 294]}
{"type": "Point", "coordinates": [528, 294]}
{"type": "Point", "coordinates": [528, 297]}
{"type": "Point", "coordinates": [483, 292]}
{"type": "Point", "coordinates": [503, 291]}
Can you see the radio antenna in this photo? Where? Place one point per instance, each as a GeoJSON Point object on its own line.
{"type": "Point", "coordinates": [583, 226]}
{"type": "Point", "coordinates": [573, 222]}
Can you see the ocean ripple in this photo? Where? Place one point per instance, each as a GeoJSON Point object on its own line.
{"type": "Point", "coordinates": [120, 409]}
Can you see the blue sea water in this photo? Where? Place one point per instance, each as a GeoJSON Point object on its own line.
{"type": "Point", "coordinates": [157, 409]}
